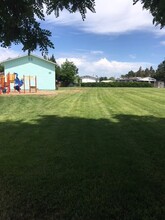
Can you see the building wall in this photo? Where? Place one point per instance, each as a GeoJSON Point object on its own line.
{"type": "Point", "coordinates": [33, 66]}
{"type": "Point", "coordinates": [88, 80]}
{"type": "Point", "coordinates": [159, 84]}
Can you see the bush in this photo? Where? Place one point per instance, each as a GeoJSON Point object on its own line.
{"type": "Point", "coordinates": [117, 84]}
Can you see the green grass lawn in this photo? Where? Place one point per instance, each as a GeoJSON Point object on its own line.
{"type": "Point", "coordinates": [84, 154]}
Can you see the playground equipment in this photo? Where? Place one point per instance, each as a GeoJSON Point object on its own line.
{"type": "Point", "coordinates": [18, 83]}
{"type": "Point", "coordinates": [6, 81]}
{"type": "Point", "coordinates": [2, 83]}
{"type": "Point", "coordinates": [31, 82]}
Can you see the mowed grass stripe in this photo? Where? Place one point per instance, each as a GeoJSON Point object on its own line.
{"type": "Point", "coordinates": [145, 104]}
{"type": "Point", "coordinates": [154, 95]}
{"type": "Point", "coordinates": [119, 102]}
{"type": "Point", "coordinates": [142, 104]}
{"type": "Point", "coordinates": [87, 154]}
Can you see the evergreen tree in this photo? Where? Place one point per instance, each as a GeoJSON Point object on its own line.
{"type": "Point", "coordinates": [147, 72]}
{"type": "Point", "coordinates": [140, 72]}
{"type": "Point", "coordinates": [160, 72]}
{"type": "Point", "coordinates": [45, 56]}
{"type": "Point", "coordinates": [1, 68]}
{"type": "Point", "coordinates": [152, 72]}
{"type": "Point", "coordinates": [131, 74]}
{"type": "Point", "coordinates": [52, 59]}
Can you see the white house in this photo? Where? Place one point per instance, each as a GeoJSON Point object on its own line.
{"type": "Point", "coordinates": [107, 81]}
{"type": "Point", "coordinates": [89, 79]}
{"type": "Point", "coordinates": [147, 79]}
{"type": "Point", "coordinates": [137, 79]}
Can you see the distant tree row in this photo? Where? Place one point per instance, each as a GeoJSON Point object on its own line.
{"type": "Point", "coordinates": [140, 73]}
{"type": "Point", "coordinates": [67, 73]}
{"type": "Point", "coordinates": [158, 74]}
{"type": "Point", "coordinates": [106, 78]}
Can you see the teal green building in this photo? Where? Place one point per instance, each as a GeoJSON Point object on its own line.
{"type": "Point", "coordinates": [33, 65]}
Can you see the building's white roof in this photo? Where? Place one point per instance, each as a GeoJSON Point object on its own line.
{"type": "Point", "coordinates": [88, 77]}
{"type": "Point", "coordinates": [107, 81]}
{"type": "Point", "coordinates": [140, 79]}
{"type": "Point", "coordinates": [148, 79]}
{"type": "Point", "coordinates": [31, 55]}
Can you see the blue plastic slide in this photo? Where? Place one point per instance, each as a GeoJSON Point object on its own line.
{"type": "Point", "coordinates": [18, 83]}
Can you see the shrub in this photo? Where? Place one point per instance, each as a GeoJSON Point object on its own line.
{"type": "Point", "coordinates": [117, 84]}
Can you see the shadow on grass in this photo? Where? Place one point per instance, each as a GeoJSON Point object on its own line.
{"type": "Point", "coordinates": [76, 168]}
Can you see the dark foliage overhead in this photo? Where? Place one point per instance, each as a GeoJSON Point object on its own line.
{"type": "Point", "coordinates": [156, 8]}
{"type": "Point", "coordinates": [19, 20]}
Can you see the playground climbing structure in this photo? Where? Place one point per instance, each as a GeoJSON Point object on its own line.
{"type": "Point", "coordinates": [12, 81]}
{"type": "Point", "coordinates": [5, 82]}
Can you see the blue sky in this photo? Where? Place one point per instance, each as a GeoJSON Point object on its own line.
{"type": "Point", "coordinates": [118, 38]}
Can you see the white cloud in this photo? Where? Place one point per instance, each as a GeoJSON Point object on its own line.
{"type": "Point", "coordinates": [111, 17]}
{"type": "Point", "coordinates": [103, 66]}
{"type": "Point", "coordinates": [76, 61]}
{"type": "Point", "coordinates": [132, 56]}
{"type": "Point", "coordinates": [162, 43]}
{"type": "Point", "coordinates": [96, 52]}
{"type": "Point", "coordinates": [6, 53]}
{"type": "Point", "coordinates": [89, 64]}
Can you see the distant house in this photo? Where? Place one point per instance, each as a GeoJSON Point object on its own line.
{"type": "Point", "coordinates": [33, 66]}
{"type": "Point", "coordinates": [147, 79]}
{"type": "Point", "coordinates": [128, 79]}
{"type": "Point", "coordinates": [137, 79]}
{"type": "Point", "coordinates": [107, 81]}
{"type": "Point", "coordinates": [88, 79]}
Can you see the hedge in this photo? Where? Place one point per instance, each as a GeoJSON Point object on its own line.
{"type": "Point", "coordinates": [117, 84]}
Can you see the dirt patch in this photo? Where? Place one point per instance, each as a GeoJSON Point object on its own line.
{"type": "Point", "coordinates": [46, 92]}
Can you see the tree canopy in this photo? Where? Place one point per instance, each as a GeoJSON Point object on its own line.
{"type": "Point", "coordinates": [156, 8]}
{"type": "Point", "coordinates": [160, 72]}
{"type": "Point", "coordinates": [19, 20]}
{"type": "Point", "coordinates": [68, 73]}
